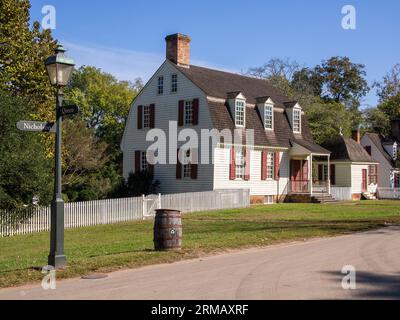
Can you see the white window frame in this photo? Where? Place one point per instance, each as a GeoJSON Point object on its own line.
{"type": "Point", "coordinates": [297, 120]}
{"type": "Point", "coordinates": [395, 151]}
{"type": "Point", "coordinates": [269, 117]}
{"type": "Point", "coordinates": [240, 164]}
{"type": "Point", "coordinates": [174, 83]}
{"type": "Point", "coordinates": [270, 165]}
{"type": "Point", "coordinates": [146, 116]}
{"type": "Point", "coordinates": [160, 85]}
{"type": "Point", "coordinates": [188, 112]}
{"type": "Point", "coordinates": [240, 113]}
{"type": "Point", "coordinates": [187, 165]}
{"type": "Point", "coordinates": [144, 166]}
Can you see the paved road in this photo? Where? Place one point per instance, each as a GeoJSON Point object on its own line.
{"type": "Point", "coordinates": [305, 270]}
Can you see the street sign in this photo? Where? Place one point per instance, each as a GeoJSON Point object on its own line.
{"type": "Point", "coordinates": [69, 110]}
{"type": "Point", "coordinates": [36, 126]}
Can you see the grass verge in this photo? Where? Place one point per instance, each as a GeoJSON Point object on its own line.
{"type": "Point", "coordinates": [129, 245]}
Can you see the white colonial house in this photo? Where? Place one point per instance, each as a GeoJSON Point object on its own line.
{"type": "Point", "coordinates": [385, 151]}
{"type": "Point", "coordinates": [276, 165]}
{"type": "Point", "coordinates": [354, 174]}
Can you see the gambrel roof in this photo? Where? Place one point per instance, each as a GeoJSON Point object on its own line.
{"type": "Point", "coordinates": [225, 85]}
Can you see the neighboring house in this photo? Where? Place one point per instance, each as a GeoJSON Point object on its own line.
{"type": "Point", "coordinates": [385, 151]}
{"type": "Point", "coordinates": [278, 165]}
{"type": "Point", "coordinates": [351, 167]}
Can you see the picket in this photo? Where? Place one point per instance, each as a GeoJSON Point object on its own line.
{"type": "Point", "coordinates": [91, 213]}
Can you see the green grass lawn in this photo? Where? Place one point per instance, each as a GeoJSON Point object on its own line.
{"type": "Point", "coordinates": [128, 245]}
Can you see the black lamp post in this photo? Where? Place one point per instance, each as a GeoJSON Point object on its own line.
{"type": "Point", "coordinates": [59, 69]}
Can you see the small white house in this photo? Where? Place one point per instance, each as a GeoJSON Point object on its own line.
{"type": "Point", "coordinates": [354, 173]}
{"type": "Point", "coordinates": [385, 151]}
{"type": "Point", "coordinates": [275, 165]}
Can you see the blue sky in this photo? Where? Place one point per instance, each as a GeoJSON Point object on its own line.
{"type": "Point", "coordinates": [126, 38]}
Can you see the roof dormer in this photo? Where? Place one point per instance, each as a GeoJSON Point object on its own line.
{"type": "Point", "coordinates": [294, 112]}
{"type": "Point", "coordinates": [237, 105]}
{"type": "Point", "coordinates": [265, 107]}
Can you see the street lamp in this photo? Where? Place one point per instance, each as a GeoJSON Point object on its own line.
{"type": "Point", "coordinates": [59, 69]}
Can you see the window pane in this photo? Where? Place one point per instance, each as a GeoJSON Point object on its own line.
{"type": "Point", "coordinates": [143, 161]}
{"type": "Point", "coordinates": [240, 164]}
{"type": "Point", "coordinates": [160, 85]}
{"type": "Point", "coordinates": [296, 121]}
{"type": "Point", "coordinates": [188, 112]}
{"type": "Point", "coordinates": [174, 83]}
{"type": "Point", "coordinates": [268, 117]}
{"type": "Point", "coordinates": [239, 113]}
{"type": "Point", "coordinates": [146, 117]}
{"type": "Point", "coordinates": [270, 165]}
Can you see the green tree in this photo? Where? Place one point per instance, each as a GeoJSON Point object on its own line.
{"type": "Point", "coordinates": [390, 84]}
{"type": "Point", "coordinates": [342, 80]}
{"type": "Point", "coordinates": [24, 170]}
{"type": "Point", "coordinates": [104, 101]}
{"type": "Point", "coordinates": [328, 119]}
{"type": "Point", "coordinates": [22, 54]}
{"type": "Point", "coordinates": [375, 120]}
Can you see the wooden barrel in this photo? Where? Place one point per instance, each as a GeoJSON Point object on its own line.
{"type": "Point", "coordinates": [168, 230]}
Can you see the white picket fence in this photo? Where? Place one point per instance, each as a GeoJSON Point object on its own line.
{"type": "Point", "coordinates": [389, 193]}
{"type": "Point", "coordinates": [92, 213]}
{"type": "Point", "coordinates": [341, 193]}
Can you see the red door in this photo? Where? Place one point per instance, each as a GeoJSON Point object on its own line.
{"type": "Point", "coordinates": [295, 175]}
{"type": "Point", "coordinates": [364, 180]}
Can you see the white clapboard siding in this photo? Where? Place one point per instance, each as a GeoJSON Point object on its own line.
{"type": "Point", "coordinates": [166, 110]}
{"type": "Point", "coordinates": [389, 193]}
{"type": "Point", "coordinates": [255, 184]}
{"type": "Point", "coordinates": [384, 168]}
{"type": "Point", "coordinates": [92, 213]}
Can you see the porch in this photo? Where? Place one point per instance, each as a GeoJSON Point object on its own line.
{"type": "Point", "coordinates": [310, 172]}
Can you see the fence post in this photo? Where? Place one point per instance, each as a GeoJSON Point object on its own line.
{"type": "Point", "coordinates": [144, 206]}
{"type": "Point", "coordinates": [159, 201]}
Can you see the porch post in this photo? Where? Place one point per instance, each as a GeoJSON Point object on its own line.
{"type": "Point", "coordinates": [329, 174]}
{"type": "Point", "coordinates": [311, 174]}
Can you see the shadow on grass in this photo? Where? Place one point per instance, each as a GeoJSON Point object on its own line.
{"type": "Point", "coordinates": [380, 286]}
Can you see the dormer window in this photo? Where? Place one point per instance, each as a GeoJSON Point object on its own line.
{"type": "Point", "coordinates": [297, 120]}
{"type": "Point", "coordinates": [269, 117]}
{"type": "Point", "coordinates": [240, 107]}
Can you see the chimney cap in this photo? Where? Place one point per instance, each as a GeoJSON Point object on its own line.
{"type": "Point", "coordinates": [176, 36]}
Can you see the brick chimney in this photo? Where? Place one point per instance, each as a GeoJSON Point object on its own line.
{"type": "Point", "coordinates": [356, 135]}
{"type": "Point", "coordinates": [178, 49]}
{"type": "Point", "coordinates": [396, 129]}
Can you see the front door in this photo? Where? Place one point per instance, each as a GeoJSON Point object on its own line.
{"type": "Point", "coordinates": [364, 180]}
{"type": "Point", "coordinates": [295, 175]}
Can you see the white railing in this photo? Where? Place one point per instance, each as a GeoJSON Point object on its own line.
{"type": "Point", "coordinates": [389, 193]}
{"type": "Point", "coordinates": [341, 193]}
{"type": "Point", "coordinates": [91, 213]}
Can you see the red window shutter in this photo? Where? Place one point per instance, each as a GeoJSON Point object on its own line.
{"type": "Point", "coordinates": [152, 116]}
{"type": "Point", "coordinates": [377, 175]}
{"type": "Point", "coordinates": [264, 165]}
{"type": "Point", "coordinates": [277, 165]}
{"type": "Point", "coordinates": [178, 167]}
{"type": "Point", "coordinates": [195, 105]}
{"type": "Point", "coordinates": [137, 161]}
{"type": "Point", "coordinates": [333, 174]}
{"type": "Point", "coordinates": [247, 169]}
{"type": "Point", "coordinates": [140, 117]}
{"type": "Point", "coordinates": [181, 112]}
{"type": "Point", "coordinates": [193, 171]}
{"type": "Point", "coordinates": [232, 174]}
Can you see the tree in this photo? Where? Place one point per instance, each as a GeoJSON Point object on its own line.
{"type": "Point", "coordinates": [390, 84]}
{"type": "Point", "coordinates": [138, 183]}
{"type": "Point", "coordinates": [375, 120]}
{"type": "Point", "coordinates": [22, 55]}
{"type": "Point", "coordinates": [24, 170]}
{"type": "Point", "coordinates": [328, 119]}
{"type": "Point", "coordinates": [104, 101]}
{"type": "Point", "coordinates": [342, 81]}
